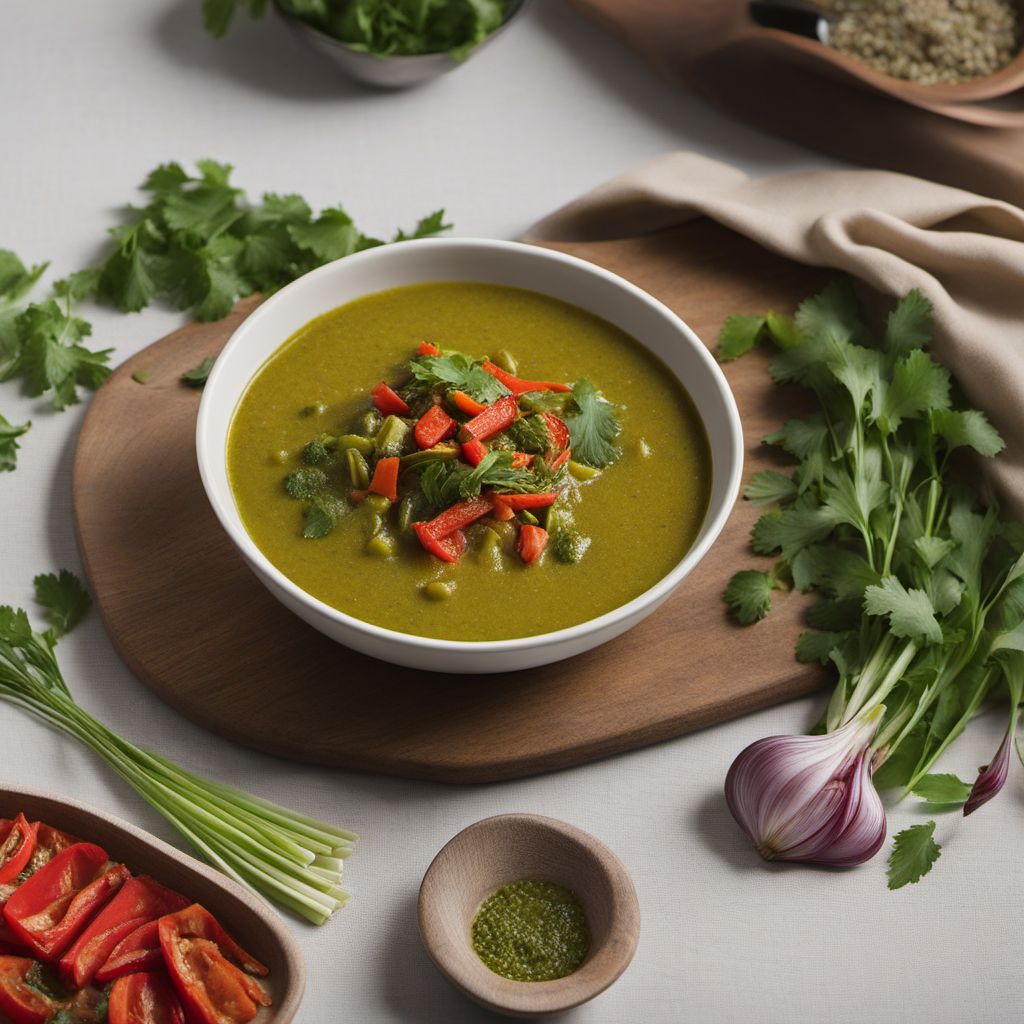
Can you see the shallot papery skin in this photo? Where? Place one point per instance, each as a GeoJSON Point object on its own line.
{"type": "Point", "coordinates": [810, 798]}
{"type": "Point", "coordinates": [993, 776]}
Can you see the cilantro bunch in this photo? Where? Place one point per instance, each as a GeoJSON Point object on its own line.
{"type": "Point", "coordinates": [919, 590]}
{"type": "Point", "coordinates": [382, 27]}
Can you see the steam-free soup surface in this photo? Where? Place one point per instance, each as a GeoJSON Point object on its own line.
{"type": "Point", "coordinates": [642, 513]}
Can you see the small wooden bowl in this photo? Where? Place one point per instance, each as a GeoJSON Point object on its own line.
{"type": "Point", "coordinates": [509, 848]}
{"type": "Point", "coordinates": [245, 916]}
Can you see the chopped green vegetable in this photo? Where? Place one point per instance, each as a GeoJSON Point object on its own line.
{"type": "Point", "coordinates": [529, 434]}
{"type": "Point", "coordinates": [306, 483]}
{"type": "Point", "coordinates": [318, 451]}
{"type": "Point", "coordinates": [455, 372]}
{"type": "Point", "coordinates": [448, 481]}
{"type": "Point", "coordinates": [749, 595]}
{"type": "Point", "coordinates": [9, 434]}
{"type": "Point", "coordinates": [914, 852]}
{"type": "Point", "coordinates": [318, 522]}
{"type": "Point", "coordinates": [198, 375]}
{"type": "Point", "coordinates": [568, 545]}
{"type": "Point", "coordinates": [593, 428]}
{"type": "Point", "coordinates": [142, 376]}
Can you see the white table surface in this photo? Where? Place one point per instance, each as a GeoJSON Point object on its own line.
{"type": "Point", "coordinates": [97, 93]}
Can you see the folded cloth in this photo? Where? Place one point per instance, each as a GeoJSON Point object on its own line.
{"type": "Point", "coordinates": [963, 251]}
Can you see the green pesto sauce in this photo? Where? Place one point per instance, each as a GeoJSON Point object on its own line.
{"type": "Point", "coordinates": [531, 931]}
{"type": "Point", "coordinates": [642, 513]}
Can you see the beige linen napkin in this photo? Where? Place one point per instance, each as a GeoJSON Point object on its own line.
{"type": "Point", "coordinates": [963, 251]}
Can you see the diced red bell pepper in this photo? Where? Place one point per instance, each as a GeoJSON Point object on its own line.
{"type": "Point", "coordinates": [209, 970]}
{"type": "Point", "coordinates": [138, 951]}
{"type": "Point", "coordinates": [561, 460]}
{"type": "Point", "coordinates": [20, 1003]}
{"type": "Point", "coordinates": [531, 543]}
{"type": "Point", "coordinates": [448, 549]}
{"type": "Point", "coordinates": [428, 349]}
{"type": "Point", "coordinates": [501, 511]}
{"type": "Point", "coordinates": [140, 900]}
{"type": "Point", "coordinates": [458, 517]}
{"type": "Point", "coordinates": [433, 427]}
{"type": "Point", "coordinates": [557, 431]}
{"type": "Point", "coordinates": [520, 460]}
{"type": "Point", "coordinates": [145, 998]}
{"type": "Point", "coordinates": [473, 452]}
{"type": "Point", "coordinates": [385, 478]}
{"type": "Point", "coordinates": [494, 419]}
{"type": "Point", "coordinates": [517, 385]}
{"type": "Point", "coordinates": [520, 501]}
{"type": "Point", "coordinates": [389, 403]}
{"type": "Point", "coordinates": [17, 841]}
{"type": "Point", "coordinates": [465, 403]}
{"type": "Point", "coordinates": [52, 908]}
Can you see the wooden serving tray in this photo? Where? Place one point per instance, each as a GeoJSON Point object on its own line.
{"type": "Point", "coordinates": [196, 626]}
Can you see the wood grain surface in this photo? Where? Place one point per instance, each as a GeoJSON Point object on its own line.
{"type": "Point", "coordinates": [196, 626]}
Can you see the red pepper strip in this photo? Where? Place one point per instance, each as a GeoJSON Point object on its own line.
{"type": "Point", "coordinates": [501, 511]}
{"type": "Point", "coordinates": [448, 549]}
{"type": "Point", "coordinates": [517, 385]}
{"type": "Point", "coordinates": [467, 404]}
{"type": "Point", "coordinates": [144, 999]}
{"type": "Point", "coordinates": [520, 460]}
{"type": "Point", "coordinates": [433, 427]}
{"type": "Point", "coordinates": [139, 901]}
{"type": "Point", "coordinates": [428, 349]}
{"type": "Point", "coordinates": [494, 419]}
{"type": "Point", "coordinates": [557, 431]}
{"type": "Point", "coordinates": [49, 910]}
{"type": "Point", "coordinates": [458, 517]}
{"type": "Point", "coordinates": [388, 402]}
{"type": "Point", "coordinates": [473, 452]}
{"type": "Point", "coordinates": [385, 478]}
{"type": "Point", "coordinates": [531, 543]}
{"type": "Point", "coordinates": [139, 951]}
{"type": "Point", "coordinates": [561, 460]}
{"type": "Point", "coordinates": [19, 1002]}
{"type": "Point", "coordinates": [521, 501]}
{"type": "Point", "coordinates": [203, 962]}
{"type": "Point", "coordinates": [17, 841]}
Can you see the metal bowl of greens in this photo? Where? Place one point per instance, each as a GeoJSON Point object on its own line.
{"type": "Point", "coordinates": [397, 45]}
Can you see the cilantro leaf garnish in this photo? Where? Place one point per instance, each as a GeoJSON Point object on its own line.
{"type": "Point", "coordinates": [749, 595]}
{"type": "Point", "coordinates": [65, 599]}
{"type": "Point", "coordinates": [447, 481]}
{"type": "Point", "coordinates": [594, 427]}
{"type": "Point", "coordinates": [457, 372]}
{"type": "Point", "coordinates": [913, 854]}
{"type": "Point", "coordinates": [9, 434]}
{"type": "Point", "coordinates": [198, 375]}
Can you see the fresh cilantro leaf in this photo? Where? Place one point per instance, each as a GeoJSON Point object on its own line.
{"type": "Point", "coordinates": [910, 612]}
{"type": "Point", "coordinates": [909, 326]}
{"type": "Point", "coordinates": [767, 486]}
{"type": "Point", "coordinates": [9, 433]}
{"type": "Point", "coordinates": [593, 429]}
{"type": "Point", "coordinates": [933, 549]}
{"type": "Point", "coordinates": [817, 646]}
{"type": "Point", "coordinates": [834, 571]}
{"type": "Point", "coordinates": [426, 227]}
{"type": "Point", "coordinates": [739, 334]}
{"type": "Point", "coordinates": [749, 595]}
{"type": "Point", "coordinates": [918, 385]}
{"type": "Point", "coordinates": [801, 438]}
{"type": "Point", "coordinates": [942, 789]}
{"type": "Point", "coordinates": [65, 599]}
{"type": "Point", "coordinates": [16, 280]}
{"type": "Point", "coordinates": [456, 372]}
{"type": "Point", "coordinates": [913, 854]}
{"type": "Point", "coordinates": [198, 375]}
{"type": "Point", "coordinates": [318, 522]}
{"type": "Point", "coordinates": [329, 237]}
{"type": "Point", "coordinates": [792, 530]}
{"type": "Point", "coordinates": [967, 428]}
{"type": "Point", "coordinates": [834, 314]}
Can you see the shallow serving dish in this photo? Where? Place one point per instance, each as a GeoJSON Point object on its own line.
{"type": "Point", "coordinates": [246, 917]}
{"type": "Point", "coordinates": [505, 263]}
{"type": "Point", "coordinates": [508, 848]}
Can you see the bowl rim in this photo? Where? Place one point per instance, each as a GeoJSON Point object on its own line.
{"type": "Point", "coordinates": [712, 525]}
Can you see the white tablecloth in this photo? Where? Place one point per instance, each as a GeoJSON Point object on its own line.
{"type": "Point", "coordinates": [97, 93]}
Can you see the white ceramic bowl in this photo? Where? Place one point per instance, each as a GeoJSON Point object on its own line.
{"type": "Point", "coordinates": [468, 259]}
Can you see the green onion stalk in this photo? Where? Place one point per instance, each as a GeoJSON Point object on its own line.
{"type": "Point", "coordinates": [919, 588]}
{"type": "Point", "coordinates": [288, 858]}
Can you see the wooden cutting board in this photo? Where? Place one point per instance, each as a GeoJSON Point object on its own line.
{"type": "Point", "coordinates": [195, 625]}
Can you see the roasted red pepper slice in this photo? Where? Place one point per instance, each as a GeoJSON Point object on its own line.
{"type": "Point", "coordinates": [521, 501]}
{"type": "Point", "coordinates": [557, 431]}
{"type": "Point", "coordinates": [520, 460]}
{"type": "Point", "coordinates": [49, 911]}
{"type": "Point", "coordinates": [448, 549]}
{"type": "Point", "coordinates": [558, 463]}
{"type": "Point", "coordinates": [20, 1002]}
{"type": "Point", "coordinates": [501, 511]}
{"type": "Point", "coordinates": [385, 478]}
{"type": "Point", "coordinates": [428, 349]}
{"type": "Point", "coordinates": [517, 385]}
{"type": "Point", "coordinates": [458, 517]}
{"type": "Point", "coordinates": [144, 999]}
{"type": "Point", "coordinates": [494, 419]}
{"type": "Point", "coordinates": [17, 841]}
{"type": "Point", "coordinates": [467, 404]}
{"type": "Point", "coordinates": [433, 427]}
{"type": "Point", "coordinates": [140, 900]}
{"type": "Point", "coordinates": [139, 951]}
{"type": "Point", "coordinates": [388, 402]}
{"type": "Point", "coordinates": [531, 543]}
{"type": "Point", "coordinates": [203, 962]}
{"type": "Point", "coordinates": [473, 452]}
